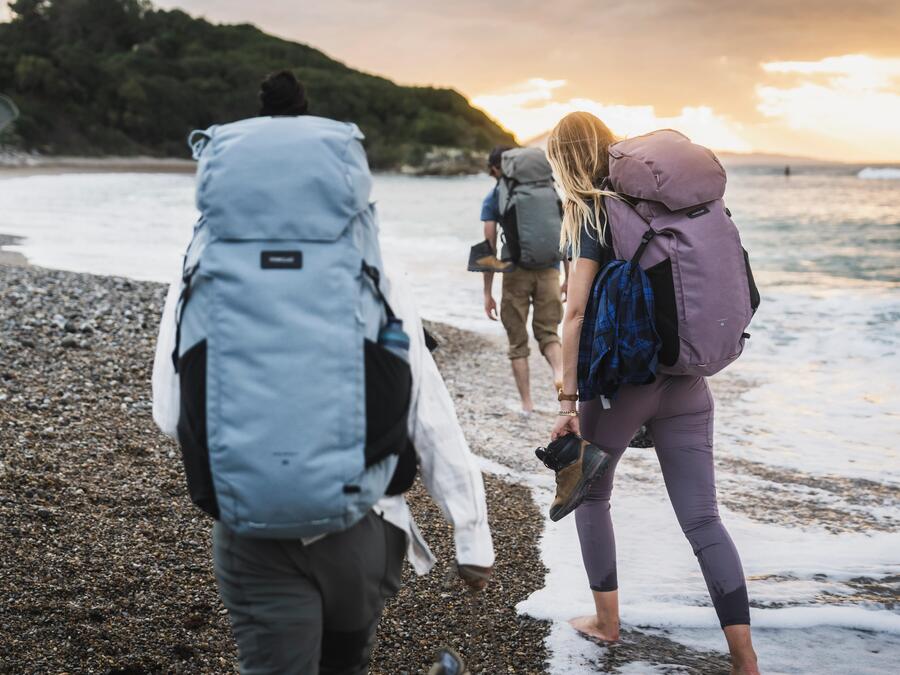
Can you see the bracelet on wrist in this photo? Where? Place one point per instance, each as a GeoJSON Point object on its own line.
{"type": "Point", "coordinates": [567, 413]}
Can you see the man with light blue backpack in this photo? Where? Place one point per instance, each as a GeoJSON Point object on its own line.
{"type": "Point", "coordinates": [305, 400]}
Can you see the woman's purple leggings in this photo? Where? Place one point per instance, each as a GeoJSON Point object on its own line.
{"type": "Point", "coordinates": [679, 413]}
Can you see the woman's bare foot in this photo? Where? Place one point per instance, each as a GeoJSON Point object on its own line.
{"type": "Point", "coordinates": [590, 626]}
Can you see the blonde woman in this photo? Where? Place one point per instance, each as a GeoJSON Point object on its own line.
{"type": "Point", "coordinates": [677, 409]}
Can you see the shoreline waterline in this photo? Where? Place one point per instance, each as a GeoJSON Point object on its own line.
{"type": "Point", "coordinates": [11, 257]}
{"type": "Point", "coordinates": [28, 165]}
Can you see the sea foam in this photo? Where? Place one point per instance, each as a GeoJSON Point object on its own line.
{"type": "Point", "coordinates": [879, 173]}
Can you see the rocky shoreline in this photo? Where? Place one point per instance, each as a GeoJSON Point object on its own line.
{"type": "Point", "coordinates": [438, 161]}
{"type": "Point", "coordinates": [104, 563]}
{"type": "Point", "coordinates": [16, 162]}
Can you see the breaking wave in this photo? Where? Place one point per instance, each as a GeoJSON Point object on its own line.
{"type": "Point", "coordinates": [880, 173]}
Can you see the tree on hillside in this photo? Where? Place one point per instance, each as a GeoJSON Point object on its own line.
{"type": "Point", "coordinates": [121, 77]}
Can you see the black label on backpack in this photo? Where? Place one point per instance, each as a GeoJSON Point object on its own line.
{"type": "Point", "coordinates": [696, 213]}
{"type": "Point", "coordinates": [281, 260]}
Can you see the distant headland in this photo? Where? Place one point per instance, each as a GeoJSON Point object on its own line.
{"type": "Point", "coordinates": [121, 78]}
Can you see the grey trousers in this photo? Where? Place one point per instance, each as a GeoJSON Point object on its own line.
{"type": "Point", "coordinates": [308, 609]}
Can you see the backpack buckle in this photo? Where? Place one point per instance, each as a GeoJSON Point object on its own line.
{"type": "Point", "coordinates": [645, 240]}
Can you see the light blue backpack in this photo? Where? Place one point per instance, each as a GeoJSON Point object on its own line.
{"type": "Point", "coordinates": [292, 416]}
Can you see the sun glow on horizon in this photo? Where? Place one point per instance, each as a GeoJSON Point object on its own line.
{"type": "Point", "coordinates": [839, 107]}
{"type": "Point", "coordinates": [529, 110]}
{"type": "Point", "coordinates": [852, 99]}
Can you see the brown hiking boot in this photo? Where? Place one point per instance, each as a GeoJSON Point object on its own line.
{"type": "Point", "coordinates": [491, 263]}
{"type": "Point", "coordinates": [483, 258]}
{"type": "Point", "coordinates": [577, 463]}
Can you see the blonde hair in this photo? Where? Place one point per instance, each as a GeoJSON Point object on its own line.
{"type": "Point", "coordinates": [577, 150]}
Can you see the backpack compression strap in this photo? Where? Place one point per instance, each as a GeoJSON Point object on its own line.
{"type": "Point", "coordinates": [645, 241]}
{"type": "Point", "coordinates": [375, 276]}
{"type": "Point", "coordinates": [187, 275]}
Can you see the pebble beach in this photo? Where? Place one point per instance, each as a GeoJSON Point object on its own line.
{"type": "Point", "coordinates": [105, 564]}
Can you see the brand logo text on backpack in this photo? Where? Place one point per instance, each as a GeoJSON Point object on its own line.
{"type": "Point", "coordinates": [281, 260]}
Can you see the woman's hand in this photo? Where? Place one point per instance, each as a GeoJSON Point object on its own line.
{"type": "Point", "coordinates": [565, 424]}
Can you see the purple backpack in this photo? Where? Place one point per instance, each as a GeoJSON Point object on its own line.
{"type": "Point", "coordinates": [673, 219]}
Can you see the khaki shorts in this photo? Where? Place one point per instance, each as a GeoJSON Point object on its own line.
{"type": "Point", "coordinates": [521, 289]}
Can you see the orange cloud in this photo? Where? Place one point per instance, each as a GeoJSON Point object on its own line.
{"type": "Point", "coordinates": [850, 101]}
{"type": "Point", "coordinates": [839, 107]}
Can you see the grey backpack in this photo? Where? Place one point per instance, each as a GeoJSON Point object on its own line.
{"type": "Point", "coordinates": [672, 221]}
{"type": "Point", "coordinates": [530, 208]}
{"type": "Point", "coordinates": [292, 415]}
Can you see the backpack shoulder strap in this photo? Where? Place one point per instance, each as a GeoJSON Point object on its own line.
{"type": "Point", "coordinates": [510, 184]}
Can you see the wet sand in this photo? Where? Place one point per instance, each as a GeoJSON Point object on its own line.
{"type": "Point", "coordinates": [13, 258]}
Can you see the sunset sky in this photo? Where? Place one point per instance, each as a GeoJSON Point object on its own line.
{"type": "Point", "coordinates": [818, 78]}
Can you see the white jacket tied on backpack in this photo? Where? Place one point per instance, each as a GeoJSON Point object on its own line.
{"type": "Point", "coordinates": [448, 468]}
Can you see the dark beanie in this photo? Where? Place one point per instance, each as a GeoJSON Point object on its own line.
{"type": "Point", "coordinates": [281, 94]}
{"type": "Point", "coordinates": [496, 155]}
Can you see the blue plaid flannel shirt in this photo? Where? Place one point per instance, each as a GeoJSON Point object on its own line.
{"type": "Point", "coordinates": [619, 343]}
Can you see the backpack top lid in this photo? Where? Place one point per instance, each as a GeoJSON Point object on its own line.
{"type": "Point", "coordinates": [664, 166]}
{"type": "Point", "coordinates": [526, 165]}
{"type": "Point", "coordinates": [281, 178]}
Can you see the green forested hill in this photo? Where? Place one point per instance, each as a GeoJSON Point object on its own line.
{"type": "Point", "coordinates": [120, 77]}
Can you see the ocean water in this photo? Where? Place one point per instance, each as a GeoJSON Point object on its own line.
{"type": "Point", "coordinates": [814, 397]}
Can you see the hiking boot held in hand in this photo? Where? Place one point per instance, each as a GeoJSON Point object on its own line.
{"type": "Point", "coordinates": [576, 463]}
{"type": "Point", "coordinates": [482, 258]}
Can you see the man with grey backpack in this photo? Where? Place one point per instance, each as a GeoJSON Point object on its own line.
{"type": "Point", "coordinates": [296, 379]}
{"type": "Point", "coordinates": [524, 209]}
